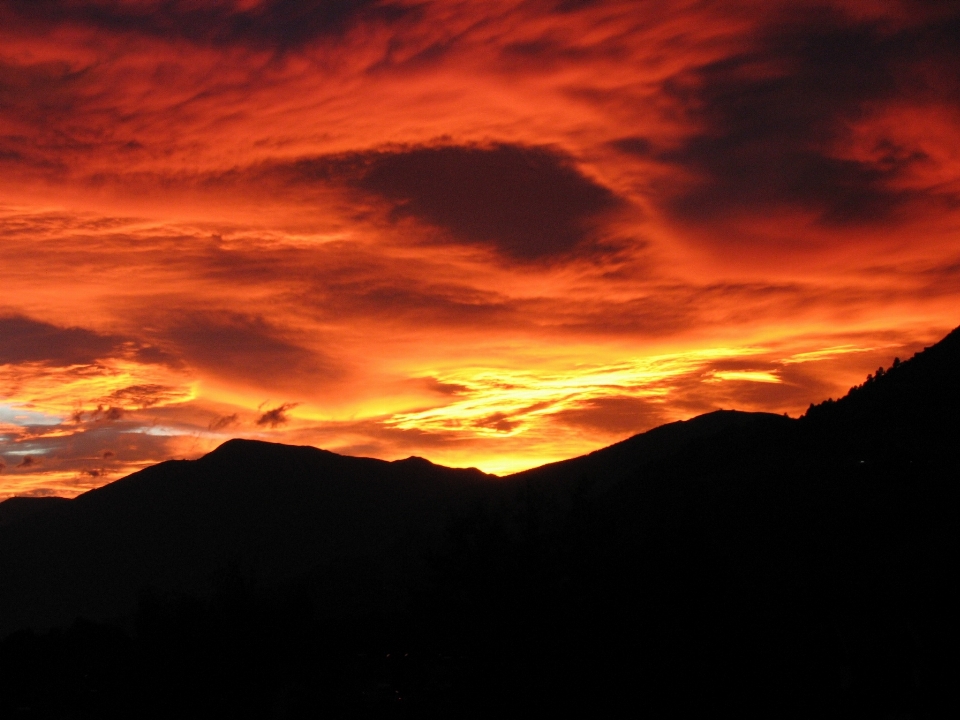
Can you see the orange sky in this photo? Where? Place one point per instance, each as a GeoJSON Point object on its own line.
{"type": "Point", "coordinates": [493, 233]}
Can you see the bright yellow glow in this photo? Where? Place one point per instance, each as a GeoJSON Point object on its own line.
{"type": "Point", "coordinates": [745, 375]}
{"type": "Point", "coordinates": [507, 401]}
{"type": "Point", "coordinates": [829, 352]}
{"type": "Point", "coordinates": [66, 391]}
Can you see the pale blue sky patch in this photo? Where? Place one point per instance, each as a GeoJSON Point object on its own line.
{"type": "Point", "coordinates": [23, 417]}
{"type": "Point", "coordinates": [159, 430]}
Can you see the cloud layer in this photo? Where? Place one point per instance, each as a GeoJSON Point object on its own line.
{"type": "Point", "coordinates": [786, 122]}
{"type": "Point", "coordinates": [23, 340]}
{"type": "Point", "coordinates": [271, 24]}
{"type": "Point", "coordinates": [527, 202]}
{"type": "Point", "coordinates": [492, 234]}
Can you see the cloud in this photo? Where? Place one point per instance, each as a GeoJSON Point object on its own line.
{"type": "Point", "coordinates": [529, 203]}
{"type": "Point", "coordinates": [433, 385]}
{"type": "Point", "coordinates": [277, 416]}
{"type": "Point", "coordinates": [25, 340]}
{"type": "Point", "coordinates": [498, 421]}
{"type": "Point", "coordinates": [614, 415]}
{"type": "Point", "coordinates": [106, 414]}
{"type": "Point", "coordinates": [269, 24]}
{"type": "Point", "coordinates": [77, 458]}
{"type": "Point", "coordinates": [781, 123]}
{"type": "Point", "coordinates": [243, 346]}
{"type": "Point", "coordinates": [36, 101]}
{"type": "Point", "coordinates": [566, 6]}
{"type": "Point", "coordinates": [143, 396]}
{"type": "Point", "coordinates": [223, 422]}
{"type": "Point", "coordinates": [395, 299]}
{"type": "Point", "coordinates": [636, 145]}
{"type": "Point", "coordinates": [28, 462]}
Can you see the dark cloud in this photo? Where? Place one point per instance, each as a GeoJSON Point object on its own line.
{"type": "Point", "coordinates": [395, 300]}
{"type": "Point", "coordinates": [774, 120]}
{"type": "Point", "coordinates": [530, 203]}
{"type": "Point", "coordinates": [28, 462]}
{"type": "Point", "coordinates": [615, 415]}
{"type": "Point", "coordinates": [224, 421]}
{"type": "Point", "coordinates": [272, 24]}
{"type": "Point", "coordinates": [151, 355]}
{"type": "Point", "coordinates": [546, 52]}
{"type": "Point", "coordinates": [25, 340]}
{"type": "Point", "coordinates": [142, 396]}
{"type": "Point", "coordinates": [341, 281]}
{"type": "Point", "coordinates": [277, 416]}
{"type": "Point", "coordinates": [36, 101]}
{"type": "Point", "coordinates": [670, 310]}
{"type": "Point", "coordinates": [106, 413]}
{"type": "Point", "coordinates": [245, 347]}
{"type": "Point", "coordinates": [436, 386]}
{"type": "Point", "coordinates": [498, 421]}
{"type": "Point", "coordinates": [107, 447]}
{"type": "Point", "coordinates": [635, 145]}
{"type": "Point", "coordinates": [31, 88]}
{"type": "Point", "coordinates": [567, 6]}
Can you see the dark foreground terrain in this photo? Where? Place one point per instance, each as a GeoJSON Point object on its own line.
{"type": "Point", "coordinates": [776, 567]}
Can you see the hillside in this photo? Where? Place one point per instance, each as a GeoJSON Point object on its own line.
{"type": "Point", "coordinates": [267, 510]}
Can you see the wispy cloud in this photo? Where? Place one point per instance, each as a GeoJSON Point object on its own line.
{"type": "Point", "coordinates": [275, 417]}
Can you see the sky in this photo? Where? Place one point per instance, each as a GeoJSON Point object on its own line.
{"type": "Point", "coordinates": [492, 234]}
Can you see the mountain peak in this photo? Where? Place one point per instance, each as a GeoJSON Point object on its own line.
{"type": "Point", "coordinates": [414, 460]}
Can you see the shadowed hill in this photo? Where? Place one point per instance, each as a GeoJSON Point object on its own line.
{"type": "Point", "coordinates": [609, 466]}
{"type": "Point", "coordinates": [267, 510]}
{"type": "Point", "coordinates": [276, 512]}
{"type": "Point", "coordinates": [912, 407]}
{"type": "Point", "coordinates": [15, 508]}
{"type": "Point", "coordinates": [786, 568]}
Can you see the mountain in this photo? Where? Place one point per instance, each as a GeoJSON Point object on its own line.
{"type": "Point", "coordinates": [15, 508]}
{"type": "Point", "coordinates": [268, 510]}
{"type": "Point", "coordinates": [785, 567]}
{"type": "Point", "coordinates": [273, 512]}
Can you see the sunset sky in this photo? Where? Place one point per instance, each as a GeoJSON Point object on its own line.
{"type": "Point", "coordinates": [492, 234]}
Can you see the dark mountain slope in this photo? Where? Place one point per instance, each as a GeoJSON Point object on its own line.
{"type": "Point", "coordinates": [263, 510]}
{"type": "Point", "coordinates": [277, 512]}
{"type": "Point", "coordinates": [15, 508]}
{"type": "Point", "coordinates": [654, 445]}
{"type": "Point", "coordinates": [912, 408]}
{"type": "Point", "coordinates": [555, 485]}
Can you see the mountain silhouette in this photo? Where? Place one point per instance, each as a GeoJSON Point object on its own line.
{"type": "Point", "coordinates": [15, 508]}
{"type": "Point", "coordinates": [250, 506]}
{"type": "Point", "coordinates": [773, 565]}
{"type": "Point", "coordinates": [273, 511]}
